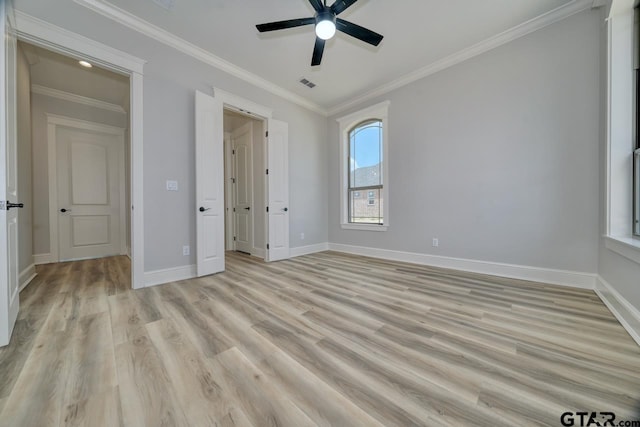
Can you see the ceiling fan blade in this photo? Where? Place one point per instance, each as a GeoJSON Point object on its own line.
{"type": "Point", "coordinates": [281, 25]}
{"type": "Point", "coordinates": [340, 5]}
{"type": "Point", "coordinates": [317, 5]}
{"type": "Point", "coordinates": [359, 32]}
{"type": "Point", "coordinates": [318, 50]}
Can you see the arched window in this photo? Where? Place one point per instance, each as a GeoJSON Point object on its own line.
{"type": "Point", "coordinates": [364, 145]}
{"type": "Point", "coordinates": [366, 173]}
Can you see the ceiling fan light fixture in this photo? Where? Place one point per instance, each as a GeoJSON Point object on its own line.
{"type": "Point", "coordinates": [325, 24]}
{"type": "Point", "coordinates": [325, 29]}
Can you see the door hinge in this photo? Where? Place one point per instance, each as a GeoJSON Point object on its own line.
{"type": "Point", "coordinates": [234, 238]}
{"type": "Point", "coordinates": [267, 208]}
{"type": "Point", "coordinates": [267, 171]}
{"type": "Point", "coordinates": [234, 209]}
{"type": "Point", "coordinates": [266, 134]}
{"type": "Point", "coordinates": [233, 180]}
{"type": "Point", "coordinates": [267, 246]}
{"type": "Point", "coordinates": [233, 151]}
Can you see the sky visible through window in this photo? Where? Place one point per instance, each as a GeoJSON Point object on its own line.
{"type": "Point", "coordinates": [365, 146]}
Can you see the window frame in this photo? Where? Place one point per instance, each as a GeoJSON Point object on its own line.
{"type": "Point", "coordinates": [356, 190]}
{"type": "Point", "coordinates": [621, 191]}
{"type": "Point", "coordinates": [378, 112]}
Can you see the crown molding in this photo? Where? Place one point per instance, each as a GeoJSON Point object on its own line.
{"type": "Point", "coordinates": [129, 20]}
{"type": "Point", "coordinates": [68, 96]}
{"type": "Point", "coordinates": [498, 40]}
{"type": "Point", "coordinates": [123, 17]}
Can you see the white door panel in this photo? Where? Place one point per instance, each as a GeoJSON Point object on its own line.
{"type": "Point", "coordinates": [90, 168]}
{"type": "Point", "coordinates": [9, 297]}
{"type": "Point", "coordinates": [278, 189]}
{"type": "Point", "coordinates": [242, 141]}
{"type": "Point", "coordinates": [209, 185]}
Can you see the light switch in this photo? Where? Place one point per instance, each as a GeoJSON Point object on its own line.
{"type": "Point", "coordinates": [172, 185]}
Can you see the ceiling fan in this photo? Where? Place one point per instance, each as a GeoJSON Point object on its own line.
{"type": "Point", "coordinates": [326, 22]}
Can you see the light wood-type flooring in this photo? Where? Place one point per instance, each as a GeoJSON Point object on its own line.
{"type": "Point", "coordinates": [326, 339]}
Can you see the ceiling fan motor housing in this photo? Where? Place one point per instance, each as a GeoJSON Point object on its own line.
{"type": "Point", "coordinates": [326, 15]}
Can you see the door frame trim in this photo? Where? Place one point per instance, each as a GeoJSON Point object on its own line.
{"type": "Point", "coordinates": [259, 112]}
{"type": "Point", "coordinates": [55, 121]}
{"type": "Point", "coordinates": [65, 42]}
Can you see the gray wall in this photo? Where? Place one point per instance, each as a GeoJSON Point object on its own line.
{"type": "Point", "coordinates": [498, 156]}
{"type": "Point", "coordinates": [23, 89]}
{"type": "Point", "coordinates": [41, 105]}
{"type": "Point", "coordinates": [170, 81]}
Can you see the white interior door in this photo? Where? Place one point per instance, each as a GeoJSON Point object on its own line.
{"type": "Point", "coordinates": [90, 177]}
{"type": "Point", "coordinates": [209, 185]}
{"type": "Point", "coordinates": [242, 142]}
{"type": "Point", "coordinates": [9, 300]}
{"type": "Point", "coordinates": [278, 190]}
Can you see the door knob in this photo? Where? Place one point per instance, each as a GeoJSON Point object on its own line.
{"type": "Point", "coordinates": [247, 209]}
{"type": "Point", "coordinates": [14, 205]}
{"type": "Point", "coordinates": [286, 209]}
{"type": "Point", "coordinates": [63, 210]}
{"type": "Point", "coordinates": [203, 209]}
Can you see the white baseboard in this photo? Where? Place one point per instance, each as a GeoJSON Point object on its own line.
{"type": "Point", "coordinates": [523, 272]}
{"type": "Point", "coordinates": [39, 259]}
{"type": "Point", "coordinates": [622, 309]}
{"type": "Point", "coordinates": [259, 252]}
{"type": "Point", "coordinates": [26, 276]}
{"type": "Point", "coordinates": [306, 250]}
{"type": "Point", "coordinates": [158, 277]}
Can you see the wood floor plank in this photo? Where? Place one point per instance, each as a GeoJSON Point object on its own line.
{"type": "Point", "coordinates": [146, 396]}
{"type": "Point", "coordinates": [91, 359]}
{"type": "Point", "coordinates": [326, 339]}
{"type": "Point", "coordinates": [14, 356]}
{"type": "Point", "coordinates": [37, 398]}
{"type": "Point", "coordinates": [261, 402]}
{"type": "Point", "coordinates": [99, 410]}
{"type": "Point", "coordinates": [199, 392]}
{"type": "Point", "coordinates": [320, 401]}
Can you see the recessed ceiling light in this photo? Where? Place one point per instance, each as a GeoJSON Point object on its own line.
{"type": "Point", "coordinates": [85, 64]}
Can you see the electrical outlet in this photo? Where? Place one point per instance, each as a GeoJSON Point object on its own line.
{"type": "Point", "coordinates": [301, 236]}
{"type": "Point", "coordinates": [172, 185]}
{"type": "Point", "coordinates": [185, 250]}
{"type": "Point", "coordinates": [435, 242]}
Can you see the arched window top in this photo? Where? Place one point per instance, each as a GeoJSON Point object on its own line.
{"type": "Point", "coordinates": [364, 125]}
{"type": "Point", "coordinates": [364, 203]}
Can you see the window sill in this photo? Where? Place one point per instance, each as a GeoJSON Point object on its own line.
{"type": "Point", "coordinates": [364, 227]}
{"type": "Point", "coordinates": [628, 247]}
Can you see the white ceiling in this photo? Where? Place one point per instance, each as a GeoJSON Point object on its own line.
{"type": "Point", "coordinates": [417, 34]}
{"type": "Point", "coordinates": [60, 72]}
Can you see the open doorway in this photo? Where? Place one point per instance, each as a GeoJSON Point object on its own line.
{"type": "Point", "coordinates": [211, 186]}
{"type": "Point", "coordinates": [74, 160]}
{"type": "Point", "coordinates": [245, 183]}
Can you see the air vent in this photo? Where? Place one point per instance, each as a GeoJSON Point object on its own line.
{"type": "Point", "coordinates": [307, 83]}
